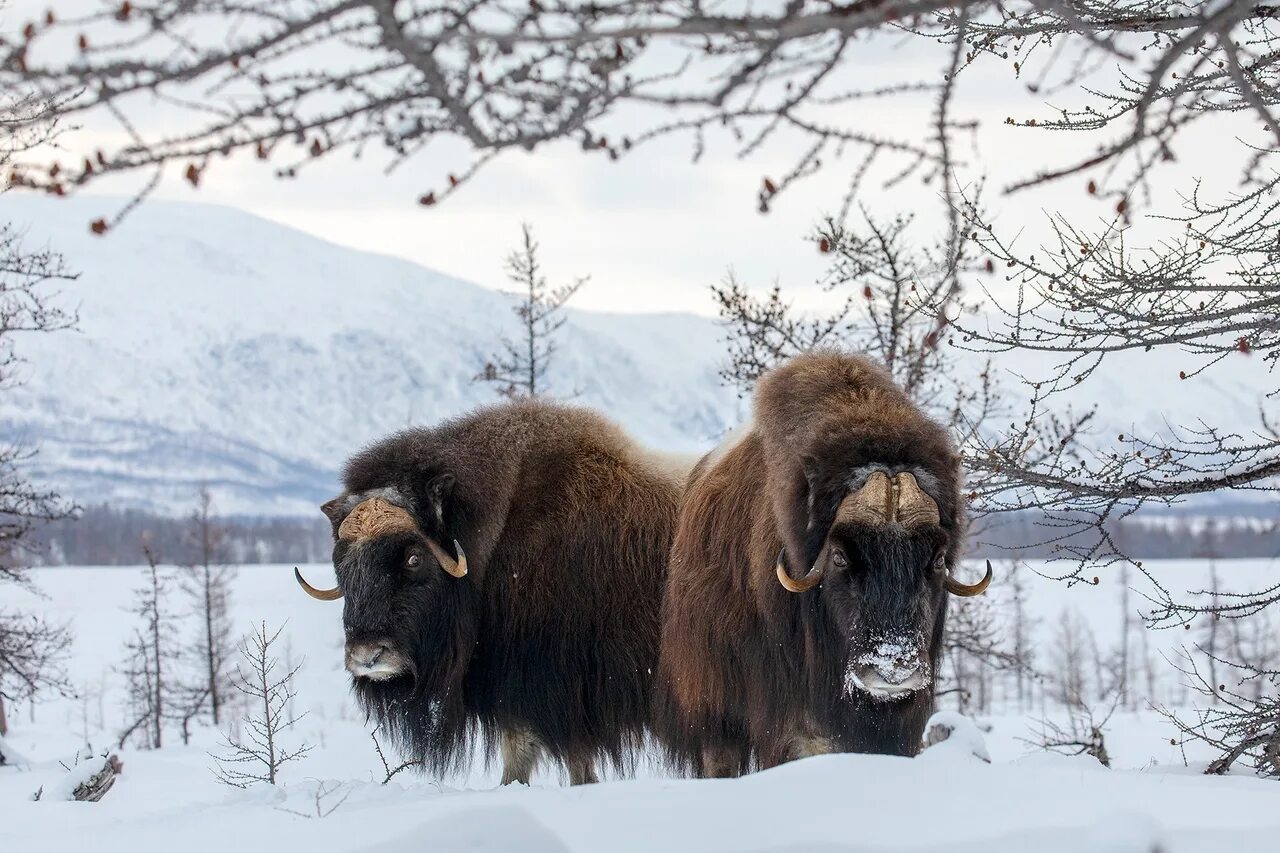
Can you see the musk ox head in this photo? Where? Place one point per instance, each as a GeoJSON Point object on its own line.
{"type": "Point", "coordinates": [882, 558]}
{"type": "Point", "coordinates": [392, 575]}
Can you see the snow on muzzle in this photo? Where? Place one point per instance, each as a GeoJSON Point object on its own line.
{"type": "Point", "coordinates": [891, 667]}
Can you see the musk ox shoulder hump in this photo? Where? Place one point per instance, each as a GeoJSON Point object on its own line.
{"type": "Point", "coordinates": [669, 467]}
{"type": "Point", "coordinates": [839, 406]}
{"type": "Point", "coordinates": [792, 397]}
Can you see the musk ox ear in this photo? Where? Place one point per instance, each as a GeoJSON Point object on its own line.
{"type": "Point", "coordinates": [439, 490]}
{"type": "Point", "coordinates": [810, 466]}
{"type": "Point", "coordinates": [332, 510]}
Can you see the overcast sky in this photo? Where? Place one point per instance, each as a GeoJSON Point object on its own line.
{"type": "Point", "coordinates": [654, 230]}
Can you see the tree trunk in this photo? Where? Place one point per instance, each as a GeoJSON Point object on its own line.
{"type": "Point", "coordinates": [4, 722]}
{"type": "Point", "coordinates": [99, 783]}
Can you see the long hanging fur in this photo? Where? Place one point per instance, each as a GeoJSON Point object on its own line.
{"type": "Point", "coordinates": [567, 525]}
{"type": "Point", "coordinates": [745, 665]}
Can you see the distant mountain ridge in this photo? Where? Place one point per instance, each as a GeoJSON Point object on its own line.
{"type": "Point", "coordinates": [218, 348]}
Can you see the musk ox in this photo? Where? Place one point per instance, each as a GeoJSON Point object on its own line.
{"type": "Point", "coordinates": [806, 591]}
{"type": "Point", "coordinates": [501, 577]}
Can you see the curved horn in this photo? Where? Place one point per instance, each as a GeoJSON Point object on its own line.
{"type": "Point", "coordinates": [804, 584]}
{"type": "Point", "coordinates": [457, 567]}
{"type": "Point", "coordinates": [969, 589]}
{"type": "Point", "coordinates": [322, 594]}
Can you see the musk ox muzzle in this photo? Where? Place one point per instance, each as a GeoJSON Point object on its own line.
{"type": "Point", "coordinates": [376, 661]}
{"type": "Point", "coordinates": [892, 667]}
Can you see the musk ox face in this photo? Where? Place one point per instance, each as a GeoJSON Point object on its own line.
{"type": "Point", "coordinates": [884, 591]}
{"type": "Point", "coordinates": [389, 584]}
{"type": "Point", "coordinates": [392, 577]}
{"type": "Point", "coordinates": [881, 560]}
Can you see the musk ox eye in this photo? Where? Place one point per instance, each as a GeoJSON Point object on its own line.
{"type": "Point", "coordinates": [413, 561]}
{"type": "Point", "coordinates": [839, 559]}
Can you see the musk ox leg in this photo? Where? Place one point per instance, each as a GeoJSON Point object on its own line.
{"type": "Point", "coordinates": [521, 751]}
{"type": "Point", "coordinates": [794, 742]}
{"type": "Point", "coordinates": [720, 762]}
{"type": "Point", "coordinates": [807, 744]}
{"type": "Point", "coordinates": [582, 771]}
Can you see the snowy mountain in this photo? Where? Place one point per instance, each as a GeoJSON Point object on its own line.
{"type": "Point", "coordinates": [218, 348]}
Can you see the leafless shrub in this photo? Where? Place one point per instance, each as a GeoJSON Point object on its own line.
{"type": "Point", "coordinates": [1242, 720]}
{"type": "Point", "coordinates": [257, 753]}
{"type": "Point", "coordinates": [520, 370]}
{"type": "Point", "coordinates": [390, 772]}
{"type": "Point", "coordinates": [1083, 733]}
{"type": "Point", "coordinates": [324, 791]}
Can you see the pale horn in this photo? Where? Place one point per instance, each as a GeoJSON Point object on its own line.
{"type": "Point", "coordinates": [966, 590]}
{"type": "Point", "coordinates": [457, 567]}
{"type": "Point", "coordinates": [322, 594]}
{"type": "Point", "coordinates": [804, 584]}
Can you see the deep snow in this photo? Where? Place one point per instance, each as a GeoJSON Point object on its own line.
{"type": "Point", "coordinates": [946, 799]}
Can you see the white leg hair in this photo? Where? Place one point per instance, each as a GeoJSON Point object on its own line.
{"type": "Point", "coordinates": [521, 752]}
{"type": "Point", "coordinates": [582, 771]}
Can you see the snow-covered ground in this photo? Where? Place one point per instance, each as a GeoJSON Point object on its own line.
{"type": "Point", "coordinates": [1024, 800]}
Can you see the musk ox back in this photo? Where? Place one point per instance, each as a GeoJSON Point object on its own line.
{"type": "Point", "coordinates": [806, 592]}
{"type": "Point", "coordinates": [501, 576]}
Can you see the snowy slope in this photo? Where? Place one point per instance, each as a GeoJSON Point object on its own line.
{"type": "Point", "coordinates": [215, 347]}
{"type": "Point", "coordinates": [218, 348]}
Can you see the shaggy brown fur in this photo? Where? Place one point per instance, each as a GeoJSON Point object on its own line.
{"type": "Point", "coordinates": [750, 674]}
{"type": "Point", "coordinates": [547, 644]}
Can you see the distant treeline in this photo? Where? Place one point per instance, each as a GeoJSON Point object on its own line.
{"type": "Point", "coordinates": [102, 535]}
{"type": "Point", "coordinates": [1152, 537]}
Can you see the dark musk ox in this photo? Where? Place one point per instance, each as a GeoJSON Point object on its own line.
{"type": "Point", "coordinates": [501, 577]}
{"type": "Point", "coordinates": [807, 587]}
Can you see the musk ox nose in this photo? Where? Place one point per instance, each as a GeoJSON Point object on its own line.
{"type": "Point", "coordinates": [891, 668]}
{"type": "Point", "coordinates": [366, 655]}
{"type": "Point", "coordinates": [374, 660]}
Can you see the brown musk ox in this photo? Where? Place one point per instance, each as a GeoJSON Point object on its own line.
{"type": "Point", "coordinates": [807, 587]}
{"type": "Point", "coordinates": [501, 577]}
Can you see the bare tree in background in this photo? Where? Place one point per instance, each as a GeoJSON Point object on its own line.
{"type": "Point", "coordinates": [974, 650]}
{"type": "Point", "coordinates": [1067, 661]}
{"type": "Point", "coordinates": [31, 646]}
{"type": "Point", "coordinates": [520, 370]}
{"type": "Point", "coordinates": [987, 643]}
{"type": "Point", "coordinates": [158, 689]}
{"type": "Point", "coordinates": [258, 753]}
{"type": "Point", "coordinates": [895, 292]}
{"type": "Point", "coordinates": [149, 653]}
{"type": "Point", "coordinates": [207, 583]}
